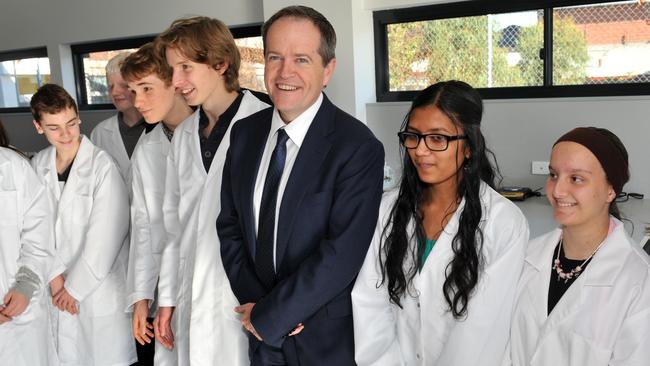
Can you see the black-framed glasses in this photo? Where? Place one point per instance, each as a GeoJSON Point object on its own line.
{"type": "Point", "coordinates": [624, 196]}
{"type": "Point", "coordinates": [433, 141]}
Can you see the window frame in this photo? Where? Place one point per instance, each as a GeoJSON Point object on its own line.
{"type": "Point", "coordinates": [36, 52]}
{"type": "Point", "coordinates": [244, 31]}
{"type": "Point", "coordinates": [79, 76]}
{"type": "Point", "coordinates": [382, 18]}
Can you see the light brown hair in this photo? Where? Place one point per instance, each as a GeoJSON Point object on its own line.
{"type": "Point", "coordinates": [146, 61]}
{"type": "Point", "coordinates": [207, 41]}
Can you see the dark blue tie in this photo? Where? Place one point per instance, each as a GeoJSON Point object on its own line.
{"type": "Point", "coordinates": [266, 221]}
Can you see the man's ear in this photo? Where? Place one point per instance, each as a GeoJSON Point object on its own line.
{"type": "Point", "coordinates": [328, 72]}
{"type": "Point", "coordinates": [38, 127]}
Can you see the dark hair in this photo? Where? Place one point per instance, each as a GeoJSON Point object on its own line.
{"type": "Point", "coordinates": [50, 98]}
{"type": "Point", "coordinates": [613, 207]}
{"type": "Point", "coordinates": [327, 48]}
{"type": "Point", "coordinates": [204, 40]}
{"type": "Point", "coordinates": [463, 105]}
{"type": "Point", "coordinates": [4, 139]}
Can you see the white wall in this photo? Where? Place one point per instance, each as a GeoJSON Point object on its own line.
{"type": "Point", "coordinates": [517, 130]}
{"type": "Point", "coordinates": [522, 130]}
{"type": "Point", "coordinates": [57, 24]}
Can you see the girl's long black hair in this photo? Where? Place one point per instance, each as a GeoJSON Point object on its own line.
{"type": "Point", "coordinates": [463, 105]}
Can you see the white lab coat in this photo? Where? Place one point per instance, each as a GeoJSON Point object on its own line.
{"type": "Point", "coordinates": [27, 240]}
{"type": "Point", "coordinates": [192, 278]}
{"type": "Point", "coordinates": [91, 225]}
{"type": "Point", "coordinates": [106, 135]}
{"type": "Point", "coordinates": [602, 319]}
{"type": "Point", "coordinates": [424, 331]}
{"type": "Point", "coordinates": [149, 162]}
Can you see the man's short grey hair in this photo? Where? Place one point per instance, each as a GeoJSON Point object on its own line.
{"type": "Point", "coordinates": [113, 65]}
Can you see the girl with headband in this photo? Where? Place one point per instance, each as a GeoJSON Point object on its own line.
{"type": "Point", "coordinates": [584, 294]}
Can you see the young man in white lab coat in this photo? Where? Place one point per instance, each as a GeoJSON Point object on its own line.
{"type": "Point", "coordinates": [149, 78]}
{"type": "Point", "coordinates": [91, 222]}
{"type": "Point", "coordinates": [27, 251]}
{"type": "Point", "coordinates": [205, 60]}
{"type": "Point", "coordinates": [119, 134]}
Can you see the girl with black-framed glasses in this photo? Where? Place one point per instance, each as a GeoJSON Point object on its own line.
{"type": "Point", "coordinates": [438, 283]}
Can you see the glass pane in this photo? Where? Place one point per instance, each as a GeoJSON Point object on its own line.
{"type": "Point", "coordinates": [251, 71]}
{"type": "Point", "coordinates": [602, 43]}
{"type": "Point", "coordinates": [94, 65]}
{"type": "Point", "coordinates": [19, 80]}
{"type": "Point", "coordinates": [486, 51]}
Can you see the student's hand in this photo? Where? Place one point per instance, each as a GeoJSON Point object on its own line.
{"type": "Point", "coordinates": [3, 318]}
{"type": "Point", "coordinates": [142, 330]}
{"type": "Point", "coordinates": [57, 284]}
{"type": "Point", "coordinates": [162, 327]}
{"type": "Point", "coordinates": [65, 302]}
{"type": "Point", "coordinates": [245, 311]}
{"type": "Point", "coordinates": [15, 304]}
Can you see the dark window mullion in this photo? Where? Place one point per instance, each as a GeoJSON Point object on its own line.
{"type": "Point", "coordinates": [548, 47]}
{"type": "Point", "coordinates": [382, 82]}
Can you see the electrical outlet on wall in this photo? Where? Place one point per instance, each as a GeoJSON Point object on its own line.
{"type": "Point", "coordinates": [539, 167]}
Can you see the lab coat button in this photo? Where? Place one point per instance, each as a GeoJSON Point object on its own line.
{"type": "Point", "coordinates": [418, 304]}
{"type": "Point", "coordinates": [417, 355]}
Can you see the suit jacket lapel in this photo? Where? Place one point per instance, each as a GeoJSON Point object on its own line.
{"type": "Point", "coordinates": [305, 169]}
{"type": "Point", "coordinates": [255, 146]}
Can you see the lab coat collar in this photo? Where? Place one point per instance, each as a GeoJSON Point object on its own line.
{"type": "Point", "coordinates": [601, 272]}
{"type": "Point", "coordinates": [607, 259]}
{"type": "Point", "coordinates": [78, 179]}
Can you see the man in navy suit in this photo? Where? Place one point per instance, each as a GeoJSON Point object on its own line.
{"type": "Point", "coordinates": [300, 197]}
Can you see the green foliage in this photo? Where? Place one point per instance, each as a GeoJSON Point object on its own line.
{"type": "Point", "coordinates": [422, 53]}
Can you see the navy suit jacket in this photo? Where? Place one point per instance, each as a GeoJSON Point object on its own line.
{"type": "Point", "coordinates": [325, 224]}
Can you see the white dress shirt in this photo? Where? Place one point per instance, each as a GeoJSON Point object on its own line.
{"type": "Point", "coordinates": [296, 130]}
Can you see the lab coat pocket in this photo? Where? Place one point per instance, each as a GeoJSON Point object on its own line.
{"type": "Point", "coordinates": [9, 211]}
{"type": "Point", "coordinates": [109, 297]}
{"type": "Point", "coordinates": [82, 207]}
{"type": "Point", "coordinates": [584, 351]}
{"type": "Point", "coordinates": [229, 302]}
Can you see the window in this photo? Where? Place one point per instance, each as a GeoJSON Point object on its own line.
{"type": "Point", "coordinates": [21, 74]}
{"type": "Point", "coordinates": [91, 59]}
{"type": "Point", "coordinates": [251, 49]}
{"type": "Point", "coordinates": [515, 49]}
{"type": "Point", "coordinates": [90, 62]}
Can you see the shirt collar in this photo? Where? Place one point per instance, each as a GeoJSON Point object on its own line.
{"type": "Point", "coordinates": [124, 126]}
{"type": "Point", "coordinates": [297, 129]}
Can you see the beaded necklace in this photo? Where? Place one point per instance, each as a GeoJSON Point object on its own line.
{"type": "Point", "coordinates": [575, 272]}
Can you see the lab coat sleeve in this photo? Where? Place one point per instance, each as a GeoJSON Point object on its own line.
{"type": "Point", "coordinates": [632, 347]}
{"type": "Point", "coordinates": [483, 335]}
{"type": "Point", "coordinates": [334, 265]}
{"type": "Point", "coordinates": [37, 235]}
{"type": "Point", "coordinates": [170, 258]}
{"type": "Point", "coordinates": [143, 271]}
{"type": "Point", "coordinates": [234, 255]}
{"type": "Point", "coordinates": [108, 225]}
{"type": "Point", "coordinates": [375, 326]}
{"type": "Point", "coordinates": [55, 266]}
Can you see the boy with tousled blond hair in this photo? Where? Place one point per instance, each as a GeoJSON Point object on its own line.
{"type": "Point", "coordinates": [193, 286]}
